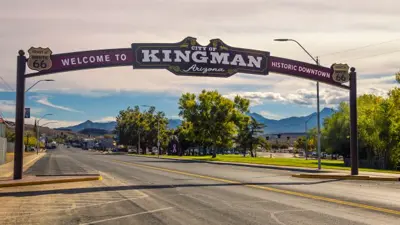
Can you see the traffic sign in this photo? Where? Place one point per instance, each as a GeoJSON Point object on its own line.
{"type": "Point", "coordinates": [27, 113]}
{"type": "Point", "coordinates": [39, 59]}
{"type": "Point", "coordinates": [341, 73]}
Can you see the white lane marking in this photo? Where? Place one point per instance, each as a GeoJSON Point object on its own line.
{"type": "Point", "coordinates": [76, 208]}
{"type": "Point", "coordinates": [135, 214]}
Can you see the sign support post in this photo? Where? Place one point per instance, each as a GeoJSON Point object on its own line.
{"type": "Point", "coordinates": [353, 122]}
{"type": "Point", "coordinates": [19, 115]}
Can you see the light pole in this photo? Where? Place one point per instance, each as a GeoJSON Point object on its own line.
{"type": "Point", "coordinates": [318, 113]}
{"type": "Point", "coordinates": [48, 123]}
{"type": "Point", "coordinates": [47, 80]}
{"type": "Point", "coordinates": [45, 125]}
{"type": "Point", "coordinates": [37, 130]}
{"type": "Point", "coordinates": [158, 132]}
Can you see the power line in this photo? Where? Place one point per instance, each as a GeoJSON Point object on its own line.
{"type": "Point", "coordinates": [5, 82]}
{"type": "Point", "coordinates": [370, 56]}
{"type": "Point", "coordinates": [362, 47]}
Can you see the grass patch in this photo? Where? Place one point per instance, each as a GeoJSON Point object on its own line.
{"type": "Point", "coordinates": [295, 162]}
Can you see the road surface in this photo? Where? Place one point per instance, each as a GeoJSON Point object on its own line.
{"type": "Point", "coordinates": [182, 192]}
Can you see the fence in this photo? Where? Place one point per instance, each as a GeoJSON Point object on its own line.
{"type": "Point", "coordinates": [3, 150]}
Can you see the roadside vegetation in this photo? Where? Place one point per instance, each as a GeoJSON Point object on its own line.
{"type": "Point", "coordinates": [214, 124]}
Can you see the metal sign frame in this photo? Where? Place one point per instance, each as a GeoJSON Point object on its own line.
{"type": "Point", "coordinates": [44, 62]}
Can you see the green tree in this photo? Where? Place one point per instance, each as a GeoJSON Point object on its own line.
{"type": "Point", "coordinates": [141, 128]}
{"type": "Point", "coordinates": [213, 118]}
{"type": "Point", "coordinates": [253, 138]}
{"type": "Point", "coordinates": [300, 143]}
{"type": "Point", "coordinates": [390, 129]}
{"type": "Point", "coordinates": [336, 131]}
{"type": "Point", "coordinates": [378, 129]}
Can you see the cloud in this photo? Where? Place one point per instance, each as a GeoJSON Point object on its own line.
{"type": "Point", "coordinates": [51, 123]}
{"type": "Point", "coordinates": [257, 98]}
{"type": "Point", "coordinates": [45, 101]}
{"type": "Point", "coordinates": [305, 97]}
{"type": "Point", "coordinates": [106, 119]}
{"type": "Point", "coordinates": [271, 115]}
{"type": "Point", "coordinates": [370, 23]}
{"type": "Point", "coordinates": [7, 106]}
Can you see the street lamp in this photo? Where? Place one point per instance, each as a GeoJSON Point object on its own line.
{"type": "Point", "coordinates": [37, 130]}
{"type": "Point", "coordinates": [46, 80]}
{"type": "Point", "coordinates": [318, 113]}
{"type": "Point", "coordinates": [37, 83]}
{"type": "Point", "coordinates": [48, 123]}
{"type": "Point", "coordinates": [158, 132]}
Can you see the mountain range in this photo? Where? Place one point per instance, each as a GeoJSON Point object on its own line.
{"type": "Point", "coordinates": [295, 124]}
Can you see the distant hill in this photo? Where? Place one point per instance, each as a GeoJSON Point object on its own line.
{"type": "Point", "coordinates": [293, 124]}
{"type": "Point", "coordinates": [94, 131]}
{"type": "Point", "coordinates": [108, 126]}
{"type": "Point", "coordinates": [174, 123]}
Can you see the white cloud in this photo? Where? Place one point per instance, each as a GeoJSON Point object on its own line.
{"type": "Point", "coordinates": [44, 100]}
{"type": "Point", "coordinates": [338, 28]}
{"type": "Point", "coordinates": [271, 115]}
{"type": "Point", "coordinates": [106, 119]}
{"type": "Point", "coordinates": [305, 97]}
{"type": "Point", "coordinates": [48, 123]}
{"type": "Point", "coordinates": [7, 106]}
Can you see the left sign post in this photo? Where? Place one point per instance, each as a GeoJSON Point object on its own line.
{"type": "Point", "coordinates": [19, 115]}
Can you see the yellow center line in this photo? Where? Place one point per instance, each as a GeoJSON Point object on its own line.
{"type": "Point", "coordinates": [294, 193]}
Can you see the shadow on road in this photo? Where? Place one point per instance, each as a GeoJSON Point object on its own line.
{"type": "Point", "coordinates": [143, 187]}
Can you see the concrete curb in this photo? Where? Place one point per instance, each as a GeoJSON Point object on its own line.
{"type": "Point", "coordinates": [262, 166]}
{"type": "Point", "coordinates": [345, 177]}
{"type": "Point", "coordinates": [54, 181]}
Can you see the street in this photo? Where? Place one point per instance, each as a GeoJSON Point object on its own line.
{"type": "Point", "coordinates": [142, 190]}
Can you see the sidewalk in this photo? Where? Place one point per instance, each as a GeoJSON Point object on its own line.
{"type": "Point", "coordinates": [7, 169]}
{"type": "Point", "coordinates": [46, 168]}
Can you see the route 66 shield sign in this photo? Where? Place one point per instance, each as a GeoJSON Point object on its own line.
{"type": "Point", "coordinates": [340, 72]}
{"type": "Point", "coordinates": [39, 59]}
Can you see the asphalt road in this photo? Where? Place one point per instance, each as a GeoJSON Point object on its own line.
{"type": "Point", "coordinates": [181, 192]}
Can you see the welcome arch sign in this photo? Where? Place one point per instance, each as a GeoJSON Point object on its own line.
{"type": "Point", "coordinates": [183, 58]}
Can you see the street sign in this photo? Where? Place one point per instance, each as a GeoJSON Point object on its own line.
{"type": "Point", "coordinates": [27, 113]}
{"type": "Point", "coordinates": [39, 59]}
{"type": "Point", "coordinates": [189, 58]}
{"type": "Point", "coordinates": [340, 73]}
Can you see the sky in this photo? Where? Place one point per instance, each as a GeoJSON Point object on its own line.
{"type": "Point", "coordinates": [362, 33]}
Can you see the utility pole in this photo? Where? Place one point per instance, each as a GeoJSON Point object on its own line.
{"type": "Point", "coordinates": [158, 137]}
